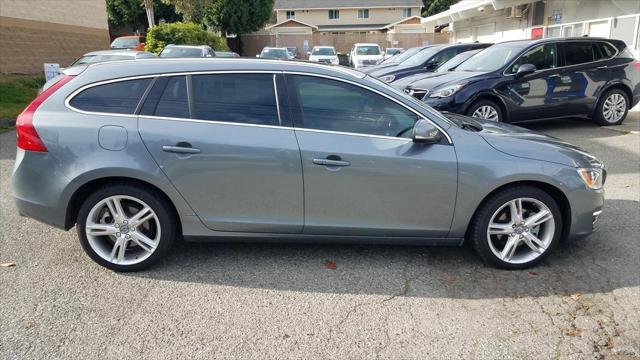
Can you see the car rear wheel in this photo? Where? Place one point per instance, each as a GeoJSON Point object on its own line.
{"type": "Point", "coordinates": [125, 227]}
{"type": "Point", "coordinates": [612, 108]}
{"type": "Point", "coordinates": [516, 228]}
{"type": "Point", "coordinates": [486, 109]}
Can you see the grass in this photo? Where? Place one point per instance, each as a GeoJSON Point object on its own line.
{"type": "Point", "coordinates": [16, 92]}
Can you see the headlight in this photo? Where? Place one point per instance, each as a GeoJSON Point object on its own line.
{"type": "Point", "coordinates": [592, 177]}
{"type": "Point", "coordinates": [388, 78]}
{"type": "Point", "coordinates": [335, 61]}
{"type": "Point", "coordinates": [446, 92]}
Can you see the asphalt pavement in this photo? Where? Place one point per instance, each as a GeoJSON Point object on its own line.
{"type": "Point", "coordinates": [250, 301]}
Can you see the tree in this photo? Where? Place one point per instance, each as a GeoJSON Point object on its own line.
{"type": "Point", "coordinates": [191, 10]}
{"type": "Point", "coordinates": [239, 16]}
{"type": "Point", "coordinates": [132, 13]}
{"type": "Point", "coordinates": [438, 6]}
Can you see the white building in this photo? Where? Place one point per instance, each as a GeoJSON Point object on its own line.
{"type": "Point", "coordinates": [501, 20]}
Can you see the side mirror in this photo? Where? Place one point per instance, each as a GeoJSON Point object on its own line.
{"type": "Point", "coordinates": [425, 132]}
{"type": "Point", "coordinates": [525, 69]}
{"type": "Point", "coordinates": [432, 65]}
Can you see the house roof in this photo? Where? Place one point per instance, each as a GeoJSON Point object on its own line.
{"type": "Point", "coordinates": [413, 20]}
{"type": "Point", "coordinates": [291, 22]}
{"type": "Point", "coordinates": [351, 27]}
{"type": "Point", "coordinates": [342, 4]}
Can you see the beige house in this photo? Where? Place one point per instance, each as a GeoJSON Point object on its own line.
{"type": "Point", "coordinates": [34, 32]}
{"type": "Point", "coordinates": [347, 16]}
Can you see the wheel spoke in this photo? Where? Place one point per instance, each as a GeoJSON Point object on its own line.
{"type": "Point", "coordinates": [534, 243]}
{"type": "Point", "coordinates": [539, 218]}
{"type": "Point", "coordinates": [500, 229]}
{"type": "Point", "coordinates": [118, 250]}
{"type": "Point", "coordinates": [141, 216]}
{"type": "Point", "coordinates": [509, 248]}
{"type": "Point", "coordinates": [115, 208]}
{"type": "Point", "coordinates": [143, 241]}
{"type": "Point", "coordinates": [516, 210]}
{"type": "Point", "coordinates": [101, 229]}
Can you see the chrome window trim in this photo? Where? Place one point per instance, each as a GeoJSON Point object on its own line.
{"type": "Point", "coordinates": [275, 91]}
{"type": "Point", "coordinates": [505, 73]}
{"type": "Point", "coordinates": [274, 72]}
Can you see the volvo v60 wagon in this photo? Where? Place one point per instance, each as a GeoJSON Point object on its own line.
{"type": "Point", "coordinates": [136, 154]}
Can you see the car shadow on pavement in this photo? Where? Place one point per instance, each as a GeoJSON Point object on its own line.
{"type": "Point", "coordinates": [602, 262]}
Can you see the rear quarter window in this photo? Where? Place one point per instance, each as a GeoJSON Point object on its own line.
{"type": "Point", "coordinates": [120, 97]}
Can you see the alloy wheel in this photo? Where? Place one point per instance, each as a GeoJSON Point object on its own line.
{"type": "Point", "coordinates": [614, 108]}
{"type": "Point", "coordinates": [521, 230]}
{"type": "Point", "coordinates": [123, 230]}
{"type": "Point", "coordinates": [486, 112]}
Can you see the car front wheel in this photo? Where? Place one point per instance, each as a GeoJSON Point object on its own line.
{"type": "Point", "coordinates": [125, 227]}
{"type": "Point", "coordinates": [516, 228]}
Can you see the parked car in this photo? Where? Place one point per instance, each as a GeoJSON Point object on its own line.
{"type": "Point", "coordinates": [136, 154]}
{"type": "Point", "coordinates": [324, 54]}
{"type": "Point", "coordinates": [539, 79]}
{"type": "Point", "coordinates": [97, 57]}
{"type": "Point", "coordinates": [293, 52]}
{"type": "Point", "coordinates": [389, 52]}
{"type": "Point", "coordinates": [443, 69]}
{"type": "Point", "coordinates": [274, 53]}
{"type": "Point", "coordinates": [426, 60]}
{"type": "Point", "coordinates": [396, 59]}
{"type": "Point", "coordinates": [133, 42]}
{"type": "Point", "coordinates": [362, 55]}
{"type": "Point", "coordinates": [187, 51]}
{"type": "Point", "coordinates": [226, 54]}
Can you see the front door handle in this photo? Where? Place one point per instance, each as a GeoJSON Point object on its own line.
{"type": "Point", "coordinates": [331, 160]}
{"type": "Point", "coordinates": [181, 148]}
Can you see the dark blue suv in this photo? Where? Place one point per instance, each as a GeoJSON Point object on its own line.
{"type": "Point", "coordinates": [538, 79]}
{"type": "Point", "coordinates": [425, 59]}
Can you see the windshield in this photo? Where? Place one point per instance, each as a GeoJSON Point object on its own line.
{"type": "Point", "coordinates": [174, 52]}
{"type": "Point", "coordinates": [392, 51]}
{"type": "Point", "coordinates": [490, 59]}
{"type": "Point", "coordinates": [397, 59]}
{"type": "Point", "coordinates": [323, 51]}
{"type": "Point", "coordinates": [421, 57]}
{"type": "Point", "coordinates": [124, 43]}
{"type": "Point", "coordinates": [275, 53]}
{"type": "Point", "coordinates": [368, 50]}
{"type": "Point", "coordinates": [456, 60]}
{"type": "Point", "coordinates": [92, 59]}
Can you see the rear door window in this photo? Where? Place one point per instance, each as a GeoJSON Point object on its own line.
{"type": "Point", "coordinates": [173, 101]}
{"type": "Point", "coordinates": [603, 51]}
{"type": "Point", "coordinates": [120, 97]}
{"type": "Point", "coordinates": [577, 52]}
{"type": "Point", "coordinates": [238, 98]}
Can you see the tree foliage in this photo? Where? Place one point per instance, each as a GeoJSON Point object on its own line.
{"type": "Point", "coordinates": [436, 6]}
{"type": "Point", "coordinates": [131, 13]}
{"type": "Point", "coordinates": [179, 33]}
{"type": "Point", "coordinates": [239, 16]}
{"type": "Point", "coordinates": [192, 10]}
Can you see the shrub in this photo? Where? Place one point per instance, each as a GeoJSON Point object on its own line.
{"type": "Point", "coordinates": [178, 33]}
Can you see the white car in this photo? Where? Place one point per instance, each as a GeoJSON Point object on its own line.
{"type": "Point", "coordinates": [324, 54]}
{"type": "Point", "coordinates": [362, 55]}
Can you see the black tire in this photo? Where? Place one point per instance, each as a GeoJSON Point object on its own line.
{"type": "Point", "coordinates": [599, 116]}
{"type": "Point", "coordinates": [477, 233]}
{"type": "Point", "coordinates": [163, 210]}
{"type": "Point", "coordinates": [480, 103]}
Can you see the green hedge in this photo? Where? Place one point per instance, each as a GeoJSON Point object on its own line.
{"type": "Point", "coordinates": [178, 33]}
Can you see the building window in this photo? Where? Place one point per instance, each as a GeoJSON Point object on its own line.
{"type": "Point", "coordinates": [406, 12]}
{"type": "Point", "coordinates": [363, 13]}
{"type": "Point", "coordinates": [291, 14]}
{"type": "Point", "coordinates": [334, 14]}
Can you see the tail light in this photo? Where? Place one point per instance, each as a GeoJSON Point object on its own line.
{"type": "Point", "coordinates": [28, 138]}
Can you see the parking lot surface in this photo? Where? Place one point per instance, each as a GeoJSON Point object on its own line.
{"type": "Point", "coordinates": [332, 301]}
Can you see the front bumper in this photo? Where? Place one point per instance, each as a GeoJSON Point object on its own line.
{"type": "Point", "coordinates": [586, 208]}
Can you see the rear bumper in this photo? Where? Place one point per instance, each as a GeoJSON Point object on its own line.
{"type": "Point", "coordinates": [37, 188]}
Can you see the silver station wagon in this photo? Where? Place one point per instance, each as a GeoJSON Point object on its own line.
{"type": "Point", "coordinates": [136, 154]}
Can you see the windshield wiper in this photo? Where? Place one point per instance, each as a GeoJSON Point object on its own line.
{"type": "Point", "coordinates": [464, 122]}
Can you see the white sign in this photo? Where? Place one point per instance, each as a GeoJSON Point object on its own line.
{"type": "Point", "coordinates": [51, 71]}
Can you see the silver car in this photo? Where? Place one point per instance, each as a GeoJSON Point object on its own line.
{"type": "Point", "coordinates": [138, 153]}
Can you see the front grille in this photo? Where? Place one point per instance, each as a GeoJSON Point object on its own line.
{"type": "Point", "coordinates": [324, 61]}
{"type": "Point", "coordinates": [369, 62]}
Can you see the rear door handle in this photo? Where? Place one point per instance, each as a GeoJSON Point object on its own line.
{"type": "Point", "coordinates": [180, 148]}
{"type": "Point", "coordinates": [331, 162]}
